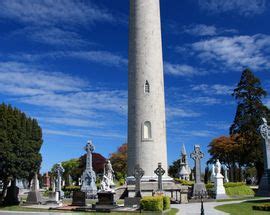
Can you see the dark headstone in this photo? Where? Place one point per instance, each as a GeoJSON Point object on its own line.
{"type": "Point", "coordinates": [106, 198]}
{"type": "Point", "coordinates": [78, 198]}
{"type": "Point", "coordinates": [12, 196]}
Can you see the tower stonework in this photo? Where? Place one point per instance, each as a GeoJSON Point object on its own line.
{"type": "Point", "coordinates": [146, 106]}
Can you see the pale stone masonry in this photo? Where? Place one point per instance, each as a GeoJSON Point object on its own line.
{"type": "Point", "coordinates": [146, 107]}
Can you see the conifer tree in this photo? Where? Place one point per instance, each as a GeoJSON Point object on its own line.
{"type": "Point", "coordinates": [250, 110]}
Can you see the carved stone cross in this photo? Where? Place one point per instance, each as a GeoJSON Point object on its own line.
{"type": "Point", "coordinates": [138, 174]}
{"type": "Point", "coordinates": [197, 155]}
{"type": "Point", "coordinates": [159, 172]}
{"type": "Point", "coordinates": [89, 148]}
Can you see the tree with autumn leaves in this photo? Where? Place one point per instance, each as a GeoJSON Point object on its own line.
{"type": "Point", "coordinates": [243, 147]}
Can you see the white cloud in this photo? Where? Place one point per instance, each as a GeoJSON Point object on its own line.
{"type": "Point", "coordinates": [182, 70]}
{"type": "Point", "coordinates": [53, 13]}
{"type": "Point", "coordinates": [216, 89]}
{"type": "Point", "coordinates": [172, 112]}
{"type": "Point", "coordinates": [218, 125]}
{"type": "Point", "coordinates": [97, 56]}
{"type": "Point", "coordinates": [236, 53]}
{"type": "Point", "coordinates": [20, 79]}
{"type": "Point", "coordinates": [64, 99]}
{"type": "Point", "coordinates": [206, 30]}
{"type": "Point", "coordinates": [243, 7]}
{"type": "Point", "coordinates": [203, 100]}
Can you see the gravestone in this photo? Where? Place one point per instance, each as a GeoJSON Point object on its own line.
{"type": "Point", "coordinates": [89, 176]}
{"type": "Point", "coordinates": [11, 197]}
{"type": "Point", "coordinates": [264, 186]}
{"type": "Point", "coordinates": [199, 186]}
{"type": "Point", "coordinates": [159, 172]}
{"type": "Point", "coordinates": [78, 198]}
{"type": "Point", "coordinates": [135, 201]}
{"type": "Point", "coordinates": [219, 189]}
{"type": "Point", "coordinates": [34, 196]}
{"type": "Point", "coordinates": [226, 180]}
{"type": "Point", "coordinates": [106, 195]}
{"type": "Point", "coordinates": [59, 171]}
{"type": "Point", "coordinates": [212, 177]}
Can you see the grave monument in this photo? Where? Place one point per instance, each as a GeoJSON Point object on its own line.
{"type": "Point", "coordinates": [89, 176]}
{"type": "Point", "coordinates": [34, 196]}
{"type": "Point", "coordinates": [59, 171]}
{"type": "Point", "coordinates": [264, 186]}
{"type": "Point", "coordinates": [219, 189]}
{"type": "Point", "coordinates": [184, 170]}
{"type": "Point", "coordinates": [199, 186]}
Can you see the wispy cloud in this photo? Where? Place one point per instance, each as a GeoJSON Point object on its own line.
{"type": "Point", "coordinates": [235, 53]}
{"type": "Point", "coordinates": [98, 56]}
{"type": "Point", "coordinates": [206, 30]}
{"type": "Point", "coordinates": [215, 89]}
{"type": "Point", "coordinates": [54, 22]}
{"type": "Point", "coordinates": [182, 70]}
{"type": "Point", "coordinates": [54, 13]}
{"type": "Point", "coordinates": [243, 7]}
{"type": "Point", "coordinates": [173, 112]}
{"type": "Point", "coordinates": [64, 99]}
{"type": "Point", "coordinates": [220, 125]}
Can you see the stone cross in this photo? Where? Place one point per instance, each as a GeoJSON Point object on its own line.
{"type": "Point", "coordinates": [265, 132]}
{"type": "Point", "coordinates": [89, 148]}
{"type": "Point", "coordinates": [159, 172]}
{"type": "Point", "coordinates": [138, 174]}
{"type": "Point", "coordinates": [59, 171]}
{"type": "Point", "coordinates": [197, 155]}
{"type": "Point", "coordinates": [226, 180]}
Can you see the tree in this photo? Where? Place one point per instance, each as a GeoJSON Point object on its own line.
{"type": "Point", "coordinates": [250, 110]}
{"type": "Point", "coordinates": [119, 162]}
{"type": "Point", "coordinates": [174, 169]}
{"type": "Point", "coordinates": [20, 143]}
{"type": "Point", "coordinates": [227, 150]}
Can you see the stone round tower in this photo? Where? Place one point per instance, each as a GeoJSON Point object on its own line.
{"type": "Point", "coordinates": [146, 107]}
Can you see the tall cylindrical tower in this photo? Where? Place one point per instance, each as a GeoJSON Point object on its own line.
{"type": "Point", "coordinates": [146, 107]}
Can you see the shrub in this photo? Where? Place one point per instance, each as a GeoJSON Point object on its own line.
{"type": "Point", "coordinates": [152, 203]}
{"type": "Point", "coordinates": [242, 190]}
{"type": "Point", "coordinates": [234, 184]}
{"type": "Point", "coordinates": [263, 207]}
{"type": "Point", "coordinates": [184, 182]}
{"type": "Point", "coordinates": [166, 203]}
{"type": "Point", "coordinates": [69, 189]}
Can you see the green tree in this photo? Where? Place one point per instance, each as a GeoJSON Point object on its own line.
{"type": "Point", "coordinates": [20, 142]}
{"type": "Point", "coordinates": [119, 162]}
{"type": "Point", "coordinates": [250, 110]}
{"type": "Point", "coordinates": [174, 169]}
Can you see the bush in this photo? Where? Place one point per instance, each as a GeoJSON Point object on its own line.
{"type": "Point", "coordinates": [69, 189]}
{"type": "Point", "coordinates": [166, 203]}
{"type": "Point", "coordinates": [263, 207]}
{"type": "Point", "coordinates": [234, 184]}
{"type": "Point", "coordinates": [152, 203]}
{"type": "Point", "coordinates": [242, 190]}
{"type": "Point", "coordinates": [184, 182]}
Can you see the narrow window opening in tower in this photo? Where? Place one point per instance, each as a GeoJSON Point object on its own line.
{"type": "Point", "coordinates": [147, 87]}
{"type": "Point", "coordinates": [147, 134]}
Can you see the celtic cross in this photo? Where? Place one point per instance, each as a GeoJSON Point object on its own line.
{"type": "Point", "coordinates": [138, 174]}
{"type": "Point", "coordinates": [197, 155]}
{"type": "Point", "coordinates": [159, 172]}
{"type": "Point", "coordinates": [89, 148]}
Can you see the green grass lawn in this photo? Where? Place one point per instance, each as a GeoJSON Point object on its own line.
{"type": "Point", "coordinates": [173, 211]}
{"type": "Point", "coordinates": [242, 208]}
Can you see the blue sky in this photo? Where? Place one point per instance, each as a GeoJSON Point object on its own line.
{"type": "Point", "coordinates": [65, 63]}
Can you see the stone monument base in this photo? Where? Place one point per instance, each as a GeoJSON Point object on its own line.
{"type": "Point", "coordinates": [199, 189]}
{"type": "Point", "coordinates": [34, 197]}
{"type": "Point", "coordinates": [78, 198]}
{"type": "Point", "coordinates": [132, 202]}
{"type": "Point", "coordinates": [219, 188]}
{"type": "Point", "coordinates": [106, 198]}
{"type": "Point", "coordinates": [177, 192]}
{"type": "Point", "coordinates": [264, 186]}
